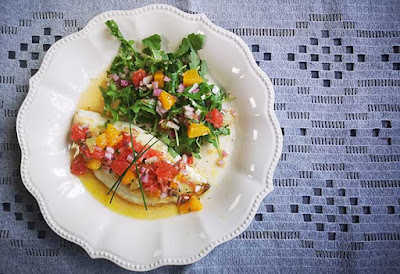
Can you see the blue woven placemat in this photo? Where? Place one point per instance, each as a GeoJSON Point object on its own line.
{"type": "Point", "coordinates": [335, 66]}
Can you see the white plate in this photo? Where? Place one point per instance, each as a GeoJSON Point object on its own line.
{"type": "Point", "coordinates": [45, 117]}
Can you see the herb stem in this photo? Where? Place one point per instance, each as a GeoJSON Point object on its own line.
{"type": "Point", "coordinates": [176, 137]}
{"type": "Point", "coordinates": [133, 153]}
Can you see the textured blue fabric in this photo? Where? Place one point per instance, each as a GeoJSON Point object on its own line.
{"type": "Point", "coordinates": [335, 66]}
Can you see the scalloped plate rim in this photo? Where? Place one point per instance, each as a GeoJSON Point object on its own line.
{"type": "Point", "coordinates": [62, 232]}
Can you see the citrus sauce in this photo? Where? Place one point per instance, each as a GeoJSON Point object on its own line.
{"type": "Point", "coordinates": [121, 206]}
{"type": "Point", "coordinates": [92, 100]}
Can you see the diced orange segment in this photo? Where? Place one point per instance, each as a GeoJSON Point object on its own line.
{"type": "Point", "coordinates": [93, 164]}
{"type": "Point", "coordinates": [101, 141]}
{"type": "Point", "coordinates": [180, 177]}
{"type": "Point", "coordinates": [167, 100]}
{"type": "Point", "coordinates": [128, 177]}
{"type": "Point", "coordinates": [197, 130]}
{"type": "Point", "coordinates": [173, 184]}
{"type": "Point", "coordinates": [193, 204]}
{"type": "Point", "coordinates": [159, 78]}
{"type": "Point", "coordinates": [114, 136]}
{"type": "Point", "coordinates": [191, 77]}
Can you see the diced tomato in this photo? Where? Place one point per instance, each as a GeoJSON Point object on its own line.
{"type": "Point", "coordinates": [124, 152]}
{"type": "Point", "coordinates": [78, 133]}
{"type": "Point", "coordinates": [152, 152]}
{"type": "Point", "coordinates": [78, 165]}
{"type": "Point", "coordinates": [149, 153]}
{"type": "Point", "coordinates": [136, 145]}
{"type": "Point", "coordinates": [138, 76]}
{"type": "Point", "coordinates": [97, 152]}
{"type": "Point", "coordinates": [215, 117]}
{"type": "Point", "coordinates": [190, 160]}
{"type": "Point", "coordinates": [165, 172]}
{"type": "Point", "coordinates": [119, 165]}
{"type": "Point", "coordinates": [126, 140]}
{"type": "Point", "coordinates": [151, 187]}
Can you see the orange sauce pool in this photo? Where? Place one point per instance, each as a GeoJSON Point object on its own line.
{"type": "Point", "coordinates": [93, 100]}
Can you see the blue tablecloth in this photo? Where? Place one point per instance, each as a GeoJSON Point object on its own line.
{"type": "Point", "coordinates": [335, 66]}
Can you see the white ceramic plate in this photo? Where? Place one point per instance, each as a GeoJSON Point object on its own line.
{"type": "Point", "coordinates": [45, 117]}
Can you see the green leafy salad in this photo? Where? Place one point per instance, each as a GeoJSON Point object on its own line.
{"type": "Point", "coordinates": [167, 93]}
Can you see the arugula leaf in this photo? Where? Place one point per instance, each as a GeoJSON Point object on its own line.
{"type": "Point", "coordinates": [216, 101]}
{"type": "Point", "coordinates": [173, 84]}
{"type": "Point", "coordinates": [194, 59]}
{"type": "Point", "coordinates": [203, 68]}
{"type": "Point", "coordinates": [114, 114]}
{"type": "Point", "coordinates": [196, 155]}
{"type": "Point", "coordinates": [165, 140]}
{"type": "Point", "coordinates": [153, 42]}
{"type": "Point", "coordinates": [112, 25]}
{"type": "Point", "coordinates": [212, 140]}
{"type": "Point", "coordinates": [196, 40]}
{"type": "Point", "coordinates": [224, 130]}
{"type": "Point", "coordinates": [143, 105]}
{"type": "Point", "coordinates": [183, 48]}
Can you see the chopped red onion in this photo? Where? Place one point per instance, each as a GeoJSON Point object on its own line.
{"type": "Point", "coordinates": [124, 83]}
{"type": "Point", "coordinates": [172, 125]}
{"type": "Point", "coordinates": [166, 78]}
{"type": "Point", "coordinates": [130, 158]}
{"type": "Point", "coordinates": [221, 162]}
{"type": "Point", "coordinates": [163, 195]}
{"type": "Point", "coordinates": [215, 90]}
{"type": "Point", "coordinates": [110, 149]}
{"type": "Point", "coordinates": [143, 170]}
{"type": "Point", "coordinates": [145, 177]}
{"type": "Point", "coordinates": [224, 153]}
{"type": "Point", "coordinates": [188, 114]}
{"type": "Point", "coordinates": [188, 108]}
{"type": "Point", "coordinates": [198, 112]}
{"type": "Point", "coordinates": [155, 85]}
{"type": "Point", "coordinates": [147, 80]}
{"type": "Point", "coordinates": [159, 108]}
{"type": "Point", "coordinates": [193, 88]}
{"type": "Point", "coordinates": [184, 158]}
{"type": "Point", "coordinates": [184, 172]}
{"type": "Point", "coordinates": [114, 77]}
{"type": "Point", "coordinates": [171, 134]}
{"type": "Point", "coordinates": [196, 90]}
{"type": "Point", "coordinates": [175, 120]}
{"type": "Point", "coordinates": [149, 86]}
{"type": "Point", "coordinates": [157, 92]}
{"type": "Point", "coordinates": [152, 160]}
{"type": "Point", "coordinates": [181, 88]}
{"type": "Point", "coordinates": [108, 156]}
